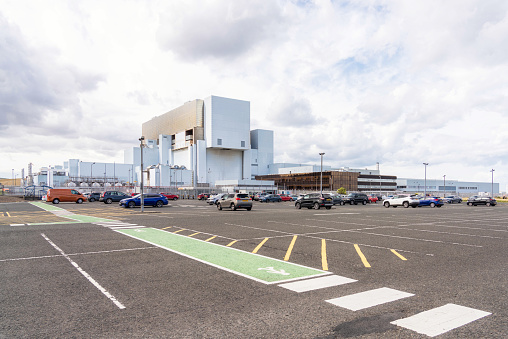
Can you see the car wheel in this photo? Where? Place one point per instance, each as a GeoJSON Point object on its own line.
{"type": "Point", "coordinates": [386, 204]}
{"type": "Point", "coordinates": [351, 202]}
{"type": "Point", "coordinates": [298, 205]}
{"type": "Point", "coordinates": [364, 202]}
{"type": "Point", "coordinates": [405, 204]}
{"type": "Point", "coordinates": [56, 201]}
{"type": "Point", "coordinates": [233, 207]}
{"type": "Point", "coordinates": [488, 204]}
{"type": "Point", "coordinates": [91, 199]}
{"type": "Point", "coordinates": [159, 203]}
{"type": "Point", "coordinates": [131, 204]}
{"type": "Point", "coordinates": [438, 206]}
{"type": "Point", "coordinates": [249, 208]}
{"type": "Point", "coordinates": [342, 203]}
{"type": "Point", "coordinates": [108, 201]}
{"type": "Point", "coordinates": [316, 206]}
{"type": "Point", "coordinates": [328, 207]}
{"type": "Point", "coordinates": [432, 205]}
{"type": "Point", "coordinates": [469, 204]}
{"type": "Point", "coordinates": [79, 201]}
{"type": "Point", "coordinates": [414, 206]}
{"type": "Point", "coordinates": [219, 207]}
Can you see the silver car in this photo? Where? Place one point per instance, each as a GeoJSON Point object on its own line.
{"type": "Point", "coordinates": [235, 201]}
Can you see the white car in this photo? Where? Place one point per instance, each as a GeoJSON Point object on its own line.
{"type": "Point", "coordinates": [214, 198]}
{"type": "Point", "coordinates": [401, 200]}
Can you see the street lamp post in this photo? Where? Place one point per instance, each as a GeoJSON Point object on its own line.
{"type": "Point", "coordinates": [425, 182]}
{"type": "Point", "coordinates": [492, 187]}
{"type": "Point", "coordinates": [141, 184]}
{"type": "Point", "coordinates": [444, 185]}
{"type": "Point", "coordinates": [91, 180]}
{"type": "Point", "coordinates": [321, 183]}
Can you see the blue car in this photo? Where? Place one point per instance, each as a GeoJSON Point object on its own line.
{"type": "Point", "coordinates": [155, 200]}
{"type": "Point", "coordinates": [431, 201]}
{"type": "Point", "coordinates": [270, 197]}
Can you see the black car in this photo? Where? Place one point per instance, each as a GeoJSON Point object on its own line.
{"type": "Point", "coordinates": [337, 199]}
{"type": "Point", "coordinates": [356, 198]}
{"type": "Point", "coordinates": [94, 196]}
{"type": "Point", "coordinates": [477, 200]}
{"type": "Point", "coordinates": [453, 199]}
{"type": "Point", "coordinates": [109, 196]}
{"type": "Point", "coordinates": [314, 200]}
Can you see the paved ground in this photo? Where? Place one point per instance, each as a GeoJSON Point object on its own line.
{"type": "Point", "coordinates": [188, 270]}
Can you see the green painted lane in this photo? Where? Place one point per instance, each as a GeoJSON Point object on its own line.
{"type": "Point", "coordinates": [69, 215]}
{"type": "Point", "coordinates": [253, 266]}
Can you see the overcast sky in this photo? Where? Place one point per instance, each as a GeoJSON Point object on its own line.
{"type": "Point", "coordinates": [396, 82]}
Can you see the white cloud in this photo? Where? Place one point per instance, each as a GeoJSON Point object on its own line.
{"type": "Point", "coordinates": [386, 81]}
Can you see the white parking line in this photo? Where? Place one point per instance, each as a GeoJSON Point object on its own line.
{"type": "Point", "coordinates": [86, 275]}
{"type": "Point", "coordinates": [317, 283]}
{"type": "Point", "coordinates": [359, 301]}
{"type": "Point", "coordinates": [440, 320]}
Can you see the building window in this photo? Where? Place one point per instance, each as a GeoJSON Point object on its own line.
{"type": "Point", "coordinates": [242, 143]}
{"type": "Point", "coordinates": [219, 142]}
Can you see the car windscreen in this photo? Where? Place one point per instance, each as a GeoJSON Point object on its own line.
{"type": "Point", "coordinates": [243, 196]}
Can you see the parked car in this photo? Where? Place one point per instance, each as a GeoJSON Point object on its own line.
{"type": "Point", "coordinates": [214, 198]}
{"type": "Point", "coordinates": [401, 200]}
{"type": "Point", "coordinates": [356, 198]}
{"type": "Point", "coordinates": [452, 199]}
{"type": "Point", "coordinates": [337, 199]}
{"type": "Point", "coordinates": [477, 200]}
{"type": "Point", "coordinates": [286, 197]}
{"type": "Point", "coordinates": [373, 198]}
{"type": "Point", "coordinates": [270, 198]}
{"type": "Point", "coordinates": [377, 195]}
{"type": "Point", "coordinates": [315, 200]}
{"type": "Point", "coordinates": [431, 201]}
{"type": "Point", "coordinates": [112, 196]}
{"type": "Point", "coordinates": [235, 201]}
{"type": "Point", "coordinates": [57, 195]}
{"type": "Point", "coordinates": [259, 196]}
{"type": "Point", "coordinates": [169, 196]}
{"type": "Point", "coordinates": [94, 196]}
{"type": "Point", "coordinates": [203, 196]}
{"type": "Point", "coordinates": [294, 197]}
{"type": "Point", "coordinates": [149, 199]}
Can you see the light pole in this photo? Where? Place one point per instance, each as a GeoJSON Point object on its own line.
{"type": "Point", "coordinates": [321, 184]}
{"type": "Point", "coordinates": [425, 182]}
{"type": "Point", "coordinates": [444, 185]}
{"type": "Point", "coordinates": [492, 187]}
{"type": "Point", "coordinates": [91, 180]}
{"type": "Point", "coordinates": [141, 184]}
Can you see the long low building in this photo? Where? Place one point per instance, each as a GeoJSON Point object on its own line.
{"type": "Point", "coordinates": [333, 180]}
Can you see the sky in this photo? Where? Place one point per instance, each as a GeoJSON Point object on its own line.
{"type": "Point", "coordinates": [393, 82]}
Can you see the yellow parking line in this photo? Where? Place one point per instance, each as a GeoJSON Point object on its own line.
{"type": "Point", "coordinates": [259, 246]}
{"type": "Point", "coordinates": [211, 238]}
{"type": "Point", "coordinates": [324, 260]}
{"type": "Point", "coordinates": [8, 214]}
{"type": "Point", "coordinates": [183, 229]}
{"type": "Point", "coordinates": [231, 243]}
{"type": "Point", "coordinates": [398, 255]}
{"type": "Point", "coordinates": [364, 260]}
{"type": "Point", "coordinates": [165, 228]}
{"type": "Point", "coordinates": [290, 248]}
{"type": "Point", "coordinates": [193, 234]}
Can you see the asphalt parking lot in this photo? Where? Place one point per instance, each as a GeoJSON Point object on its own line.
{"type": "Point", "coordinates": [188, 270]}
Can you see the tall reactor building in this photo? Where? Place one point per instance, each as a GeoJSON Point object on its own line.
{"type": "Point", "coordinates": [204, 142]}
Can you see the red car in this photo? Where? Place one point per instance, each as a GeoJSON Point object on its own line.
{"type": "Point", "coordinates": [169, 196]}
{"type": "Point", "coordinates": [286, 197]}
{"type": "Point", "coordinates": [373, 199]}
{"type": "Point", "coordinates": [203, 196]}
